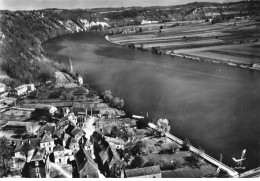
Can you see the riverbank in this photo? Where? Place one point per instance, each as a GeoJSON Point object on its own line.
{"type": "Point", "coordinates": [218, 43]}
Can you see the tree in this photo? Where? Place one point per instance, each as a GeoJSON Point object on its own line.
{"type": "Point", "coordinates": [163, 125]}
{"type": "Point", "coordinates": [117, 103]}
{"type": "Point", "coordinates": [137, 162]}
{"type": "Point", "coordinates": [107, 95]}
{"type": "Point", "coordinates": [131, 45]}
{"type": "Point", "coordinates": [5, 156]}
{"type": "Point", "coordinates": [45, 74]}
{"type": "Point", "coordinates": [116, 169]}
{"type": "Point", "coordinates": [156, 50]}
{"type": "Point", "coordinates": [186, 145]}
{"type": "Point", "coordinates": [193, 160]}
{"type": "Point", "coordinates": [140, 148]}
{"type": "Point", "coordinates": [115, 132]}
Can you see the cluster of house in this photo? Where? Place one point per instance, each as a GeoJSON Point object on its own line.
{"type": "Point", "coordinates": [63, 143]}
{"type": "Point", "coordinates": [66, 144]}
{"type": "Point", "coordinates": [109, 154]}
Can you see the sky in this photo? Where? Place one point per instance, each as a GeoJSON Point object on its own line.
{"type": "Point", "coordinates": [86, 4]}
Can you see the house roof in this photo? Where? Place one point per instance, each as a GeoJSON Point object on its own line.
{"type": "Point", "coordinates": [143, 171]}
{"type": "Point", "coordinates": [58, 133]}
{"type": "Point", "coordinates": [58, 148]}
{"type": "Point", "coordinates": [88, 143]}
{"type": "Point", "coordinates": [96, 137]}
{"type": "Point", "coordinates": [39, 155]}
{"type": "Point", "coordinates": [72, 141]}
{"type": "Point", "coordinates": [46, 138]}
{"type": "Point", "coordinates": [48, 127]}
{"type": "Point", "coordinates": [44, 106]}
{"type": "Point", "coordinates": [113, 150]}
{"type": "Point", "coordinates": [86, 164]}
{"type": "Point", "coordinates": [117, 141]}
{"type": "Point", "coordinates": [16, 123]}
{"type": "Point", "coordinates": [78, 110]}
{"type": "Point", "coordinates": [76, 131]}
{"type": "Point", "coordinates": [104, 155]}
{"type": "Point", "coordinates": [30, 144]}
{"type": "Point", "coordinates": [63, 123]}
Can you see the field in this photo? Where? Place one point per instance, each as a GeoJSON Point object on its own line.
{"type": "Point", "coordinates": [234, 43]}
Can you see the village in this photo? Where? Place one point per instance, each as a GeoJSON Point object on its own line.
{"type": "Point", "coordinates": [56, 135]}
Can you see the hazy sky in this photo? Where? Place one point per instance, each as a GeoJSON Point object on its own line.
{"type": "Point", "coordinates": [69, 4]}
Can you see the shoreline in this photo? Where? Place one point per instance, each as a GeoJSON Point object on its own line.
{"type": "Point", "coordinates": [215, 61]}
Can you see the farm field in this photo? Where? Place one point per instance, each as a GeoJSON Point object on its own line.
{"type": "Point", "coordinates": [229, 42]}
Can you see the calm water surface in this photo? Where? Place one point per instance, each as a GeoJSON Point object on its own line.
{"type": "Point", "coordinates": [215, 106]}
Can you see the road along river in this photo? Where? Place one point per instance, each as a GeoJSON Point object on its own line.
{"type": "Point", "coordinates": [215, 106]}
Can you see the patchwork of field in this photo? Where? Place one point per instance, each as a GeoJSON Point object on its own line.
{"type": "Point", "coordinates": [233, 43]}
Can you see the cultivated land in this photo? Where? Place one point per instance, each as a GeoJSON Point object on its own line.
{"type": "Point", "coordinates": [234, 42]}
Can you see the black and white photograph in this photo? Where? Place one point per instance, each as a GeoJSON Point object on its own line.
{"type": "Point", "coordinates": [129, 89]}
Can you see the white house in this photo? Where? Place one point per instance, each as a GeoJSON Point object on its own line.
{"type": "Point", "coordinates": [23, 89]}
{"type": "Point", "coordinates": [80, 80]}
{"type": "Point", "coordinates": [48, 143]}
{"type": "Point", "coordinates": [2, 87]}
{"type": "Point", "coordinates": [20, 90]}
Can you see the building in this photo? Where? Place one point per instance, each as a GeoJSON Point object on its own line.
{"type": "Point", "coordinates": [19, 90]}
{"type": "Point", "coordinates": [145, 172]}
{"type": "Point", "coordinates": [73, 145]}
{"type": "Point", "coordinates": [2, 87]}
{"type": "Point", "coordinates": [80, 80]}
{"type": "Point", "coordinates": [118, 143]}
{"type": "Point", "coordinates": [47, 142]}
{"type": "Point", "coordinates": [65, 138]}
{"type": "Point", "coordinates": [77, 133]}
{"type": "Point", "coordinates": [85, 165]}
{"type": "Point", "coordinates": [25, 149]}
{"type": "Point", "coordinates": [14, 126]}
{"type": "Point", "coordinates": [70, 117]}
{"type": "Point", "coordinates": [23, 89]}
{"type": "Point", "coordinates": [45, 109]}
{"type": "Point", "coordinates": [88, 146]}
{"type": "Point", "coordinates": [59, 154]}
{"type": "Point", "coordinates": [39, 164]}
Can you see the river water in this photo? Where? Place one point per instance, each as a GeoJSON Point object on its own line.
{"type": "Point", "coordinates": [215, 106]}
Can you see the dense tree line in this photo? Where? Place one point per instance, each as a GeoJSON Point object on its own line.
{"type": "Point", "coordinates": [112, 101]}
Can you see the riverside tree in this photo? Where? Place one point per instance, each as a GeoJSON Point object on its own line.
{"type": "Point", "coordinates": [163, 125]}
{"type": "Point", "coordinates": [114, 102]}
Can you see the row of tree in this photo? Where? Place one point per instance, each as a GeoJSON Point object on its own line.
{"type": "Point", "coordinates": [112, 101]}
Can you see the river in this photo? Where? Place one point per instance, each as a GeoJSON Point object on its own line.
{"type": "Point", "coordinates": [215, 106]}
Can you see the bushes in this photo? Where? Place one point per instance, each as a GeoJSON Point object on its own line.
{"type": "Point", "coordinates": [186, 145]}
{"type": "Point", "coordinates": [156, 50]}
{"type": "Point", "coordinates": [131, 45]}
{"type": "Point", "coordinates": [114, 102]}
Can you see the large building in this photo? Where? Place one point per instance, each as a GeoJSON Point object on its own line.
{"type": "Point", "coordinates": [23, 89]}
